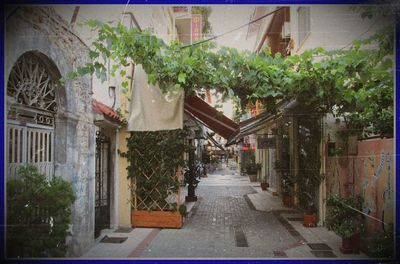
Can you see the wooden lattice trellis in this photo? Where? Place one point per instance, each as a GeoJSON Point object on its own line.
{"type": "Point", "coordinates": [154, 159]}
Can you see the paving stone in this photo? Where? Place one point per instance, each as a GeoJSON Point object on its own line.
{"type": "Point", "coordinates": [210, 229]}
{"type": "Point", "coordinates": [222, 216]}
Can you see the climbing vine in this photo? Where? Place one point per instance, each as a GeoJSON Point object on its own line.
{"type": "Point", "coordinates": [153, 159]}
{"type": "Point", "coordinates": [356, 84]}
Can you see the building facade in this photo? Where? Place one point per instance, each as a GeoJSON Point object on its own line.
{"type": "Point", "coordinates": [293, 30]}
{"type": "Point", "coordinates": [50, 124]}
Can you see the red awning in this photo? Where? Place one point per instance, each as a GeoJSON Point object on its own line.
{"type": "Point", "coordinates": [107, 111]}
{"type": "Point", "coordinates": [213, 119]}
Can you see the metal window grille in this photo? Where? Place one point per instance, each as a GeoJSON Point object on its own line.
{"type": "Point", "coordinates": [31, 89]}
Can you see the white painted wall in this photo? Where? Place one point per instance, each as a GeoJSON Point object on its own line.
{"type": "Point", "coordinates": [334, 27]}
{"type": "Point", "coordinates": [156, 17]}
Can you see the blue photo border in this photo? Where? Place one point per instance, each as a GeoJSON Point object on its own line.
{"type": "Point", "coordinates": [194, 2]}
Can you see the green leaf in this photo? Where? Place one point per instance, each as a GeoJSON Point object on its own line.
{"type": "Point", "coordinates": [93, 54]}
{"type": "Point", "coordinates": [152, 78]}
{"type": "Point", "coordinates": [182, 77]}
{"type": "Point", "coordinates": [124, 84]}
{"type": "Point", "coordinates": [122, 73]}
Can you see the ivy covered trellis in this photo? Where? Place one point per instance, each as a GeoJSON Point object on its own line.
{"type": "Point", "coordinates": [154, 157]}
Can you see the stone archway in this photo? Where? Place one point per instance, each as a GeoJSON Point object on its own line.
{"type": "Point", "coordinates": [33, 96]}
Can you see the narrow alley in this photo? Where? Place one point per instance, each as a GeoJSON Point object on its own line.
{"type": "Point", "coordinates": [233, 218]}
{"type": "Point", "coordinates": [199, 131]}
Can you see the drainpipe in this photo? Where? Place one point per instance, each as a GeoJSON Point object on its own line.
{"type": "Point", "coordinates": [74, 16]}
{"type": "Point", "coordinates": [322, 187]}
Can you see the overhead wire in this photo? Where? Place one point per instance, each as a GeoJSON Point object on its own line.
{"type": "Point", "coordinates": [232, 30]}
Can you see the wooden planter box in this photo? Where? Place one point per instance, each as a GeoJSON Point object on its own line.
{"type": "Point", "coordinates": [162, 219]}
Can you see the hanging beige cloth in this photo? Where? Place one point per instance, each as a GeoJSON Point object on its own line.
{"type": "Point", "coordinates": [151, 110]}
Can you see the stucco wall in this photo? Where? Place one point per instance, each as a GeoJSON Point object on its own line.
{"type": "Point", "coordinates": [334, 27]}
{"type": "Point", "coordinates": [41, 30]}
{"type": "Point", "coordinates": [369, 173]}
{"type": "Point", "coordinates": [124, 215]}
{"type": "Point", "coordinates": [374, 179]}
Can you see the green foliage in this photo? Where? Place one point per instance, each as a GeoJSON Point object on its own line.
{"type": "Point", "coordinates": [287, 179]}
{"type": "Point", "coordinates": [309, 177]}
{"type": "Point", "coordinates": [38, 214]}
{"type": "Point", "coordinates": [356, 83]}
{"type": "Point", "coordinates": [342, 219]}
{"type": "Point", "coordinates": [253, 168]}
{"type": "Point", "coordinates": [153, 159]}
{"type": "Point", "coordinates": [382, 245]}
{"type": "Point", "coordinates": [183, 210]}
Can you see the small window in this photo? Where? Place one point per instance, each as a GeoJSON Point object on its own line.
{"type": "Point", "coordinates": [303, 23]}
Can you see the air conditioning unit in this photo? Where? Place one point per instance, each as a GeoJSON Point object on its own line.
{"type": "Point", "coordinates": [286, 30]}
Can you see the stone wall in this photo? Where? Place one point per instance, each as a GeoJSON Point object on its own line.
{"type": "Point", "coordinates": [42, 30]}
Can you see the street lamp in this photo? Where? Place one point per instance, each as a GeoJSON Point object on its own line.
{"type": "Point", "coordinates": [191, 197]}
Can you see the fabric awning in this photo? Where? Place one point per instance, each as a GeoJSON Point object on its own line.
{"type": "Point", "coordinates": [213, 119]}
{"type": "Point", "coordinates": [250, 126]}
{"type": "Point", "coordinates": [210, 137]}
{"type": "Point", "coordinates": [254, 124]}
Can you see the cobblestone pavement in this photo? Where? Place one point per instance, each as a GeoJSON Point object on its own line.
{"type": "Point", "coordinates": [233, 218]}
{"type": "Point", "coordinates": [223, 225]}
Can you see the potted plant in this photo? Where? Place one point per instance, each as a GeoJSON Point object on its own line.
{"type": "Point", "coordinates": [345, 221]}
{"type": "Point", "coordinates": [287, 190]}
{"type": "Point", "coordinates": [308, 185]}
{"type": "Point", "coordinates": [287, 182]}
{"type": "Point", "coordinates": [310, 211]}
{"type": "Point", "coordinates": [264, 181]}
{"type": "Point", "coordinates": [264, 185]}
{"type": "Point", "coordinates": [252, 169]}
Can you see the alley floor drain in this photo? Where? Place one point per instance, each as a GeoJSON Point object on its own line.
{"type": "Point", "coordinates": [116, 240]}
{"type": "Point", "coordinates": [323, 254]}
{"type": "Point", "coordinates": [280, 254]}
{"type": "Point", "coordinates": [294, 218]}
{"type": "Point", "coordinates": [240, 237]}
{"type": "Point", "coordinates": [319, 246]}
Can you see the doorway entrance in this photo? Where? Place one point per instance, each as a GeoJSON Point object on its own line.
{"type": "Point", "coordinates": [102, 179]}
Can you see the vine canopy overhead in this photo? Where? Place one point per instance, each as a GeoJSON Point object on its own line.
{"type": "Point", "coordinates": [356, 84]}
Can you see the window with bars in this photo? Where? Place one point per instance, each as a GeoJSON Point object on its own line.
{"type": "Point", "coordinates": [32, 145]}
{"type": "Point", "coordinates": [303, 23]}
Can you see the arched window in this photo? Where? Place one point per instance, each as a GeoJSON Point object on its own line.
{"type": "Point", "coordinates": [32, 105]}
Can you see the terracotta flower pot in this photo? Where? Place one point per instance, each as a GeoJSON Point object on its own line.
{"type": "Point", "coordinates": [309, 220]}
{"type": "Point", "coordinates": [287, 200]}
{"type": "Point", "coordinates": [264, 186]}
{"type": "Point", "coordinates": [253, 177]}
{"type": "Point", "coordinates": [351, 245]}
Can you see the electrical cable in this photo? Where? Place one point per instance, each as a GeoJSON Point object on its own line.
{"type": "Point", "coordinates": [367, 215]}
{"type": "Point", "coordinates": [232, 30]}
